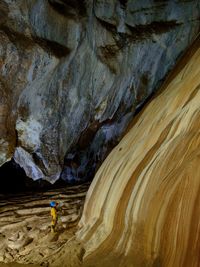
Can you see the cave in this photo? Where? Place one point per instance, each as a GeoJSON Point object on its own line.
{"type": "Point", "coordinates": [14, 180]}
{"type": "Point", "coordinates": [99, 123]}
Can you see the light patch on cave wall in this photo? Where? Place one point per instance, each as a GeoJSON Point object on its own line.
{"type": "Point", "coordinates": [29, 133]}
{"type": "Point", "coordinates": [25, 160]}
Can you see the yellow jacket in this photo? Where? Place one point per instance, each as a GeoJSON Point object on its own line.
{"type": "Point", "coordinates": [54, 213]}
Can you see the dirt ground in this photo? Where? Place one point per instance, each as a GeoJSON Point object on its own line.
{"type": "Point", "coordinates": [25, 236]}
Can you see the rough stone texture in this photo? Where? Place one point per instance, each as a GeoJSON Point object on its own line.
{"type": "Point", "coordinates": [73, 72]}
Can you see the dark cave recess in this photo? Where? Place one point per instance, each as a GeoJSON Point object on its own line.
{"type": "Point", "coordinates": [14, 180]}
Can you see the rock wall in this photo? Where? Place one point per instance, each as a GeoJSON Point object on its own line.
{"type": "Point", "coordinates": [143, 206]}
{"type": "Point", "coordinates": [73, 72]}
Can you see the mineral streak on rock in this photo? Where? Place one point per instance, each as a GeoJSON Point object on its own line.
{"type": "Point", "coordinates": [143, 206]}
{"type": "Point", "coordinates": [74, 68]}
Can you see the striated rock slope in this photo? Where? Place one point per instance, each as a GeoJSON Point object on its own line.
{"type": "Point", "coordinates": [143, 207]}
{"type": "Point", "coordinates": [73, 72]}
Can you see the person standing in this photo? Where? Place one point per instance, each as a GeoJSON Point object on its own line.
{"type": "Point", "coordinates": [54, 216]}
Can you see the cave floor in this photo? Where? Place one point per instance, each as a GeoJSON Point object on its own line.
{"type": "Point", "coordinates": [25, 235]}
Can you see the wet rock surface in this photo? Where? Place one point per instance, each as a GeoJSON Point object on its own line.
{"type": "Point", "coordinates": [72, 74]}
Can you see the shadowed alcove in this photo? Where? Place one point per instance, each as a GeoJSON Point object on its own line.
{"type": "Point", "coordinates": [14, 180]}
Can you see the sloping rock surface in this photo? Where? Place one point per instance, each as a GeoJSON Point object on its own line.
{"type": "Point", "coordinates": [73, 72]}
{"type": "Point", "coordinates": [143, 207]}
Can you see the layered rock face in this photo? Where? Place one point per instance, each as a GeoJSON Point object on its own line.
{"type": "Point", "coordinates": [143, 206]}
{"type": "Point", "coordinates": [73, 73]}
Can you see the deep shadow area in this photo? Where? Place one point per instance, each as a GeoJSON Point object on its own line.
{"type": "Point", "coordinates": [69, 8]}
{"type": "Point", "coordinates": [14, 180]}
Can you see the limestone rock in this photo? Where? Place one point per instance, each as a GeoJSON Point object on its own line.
{"type": "Point", "coordinates": [143, 206]}
{"type": "Point", "coordinates": [73, 72]}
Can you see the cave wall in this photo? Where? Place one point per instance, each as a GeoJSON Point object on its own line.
{"type": "Point", "coordinates": [143, 206]}
{"type": "Point", "coordinates": [73, 73]}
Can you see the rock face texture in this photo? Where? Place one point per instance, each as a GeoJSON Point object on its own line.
{"type": "Point", "coordinates": [73, 72]}
{"type": "Point", "coordinates": [143, 206]}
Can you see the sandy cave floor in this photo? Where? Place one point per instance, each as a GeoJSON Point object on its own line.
{"type": "Point", "coordinates": [25, 236]}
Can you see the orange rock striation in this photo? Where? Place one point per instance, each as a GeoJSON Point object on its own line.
{"type": "Point", "coordinates": [143, 207]}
